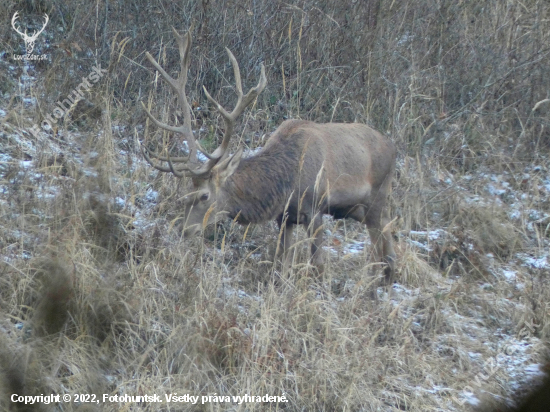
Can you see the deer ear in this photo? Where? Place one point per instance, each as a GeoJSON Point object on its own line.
{"type": "Point", "coordinates": [228, 166]}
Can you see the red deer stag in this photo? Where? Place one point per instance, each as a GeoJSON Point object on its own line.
{"type": "Point", "coordinates": [305, 170]}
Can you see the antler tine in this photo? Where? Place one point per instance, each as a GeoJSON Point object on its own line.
{"type": "Point", "coordinates": [184, 44]}
{"type": "Point", "coordinates": [178, 172]}
{"type": "Point", "coordinates": [176, 129]}
{"type": "Point", "coordinates": [182, 159]}
{"type": "Point", "coordinates": [178, 85]}
{"type": "Point", "coordinates": [242, 103]}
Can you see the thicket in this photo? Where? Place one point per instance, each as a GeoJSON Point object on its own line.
{"type": "Point", "coordinates": [467, 79]}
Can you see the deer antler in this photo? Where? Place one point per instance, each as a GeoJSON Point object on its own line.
{"type": "Point", "coordinates": [242, 103]}
{"type": "Point", "coordinates": [190, 164]}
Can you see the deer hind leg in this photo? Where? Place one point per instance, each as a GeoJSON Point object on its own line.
{"type": "Point", "coordinates": [371, 218]}
{"type": "Point", "coordinates": [285, 242]}
{"type": "Point", "coordinates": [389, 255]}
{"type": "Point", "coordinates": [315, 228]}
{"type": "Point", "coordinates": [380, 236]}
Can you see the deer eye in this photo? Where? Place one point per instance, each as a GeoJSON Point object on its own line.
{"type": "Point", "coordinates": [203, 197]}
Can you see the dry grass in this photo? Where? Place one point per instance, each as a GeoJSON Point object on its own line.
{"type": "Point", "coordinates": [110, 299]}
{"type": "Point", "coordinates": [100, 294]}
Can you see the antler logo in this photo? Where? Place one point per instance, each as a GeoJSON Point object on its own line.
{"type": "Point", "coordinates": [29, 40]}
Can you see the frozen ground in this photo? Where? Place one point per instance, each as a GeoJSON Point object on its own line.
{"type": "Point", "coordinates": [494, 333]}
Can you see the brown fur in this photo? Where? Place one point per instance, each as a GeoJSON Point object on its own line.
{"type": "Point", "coordinates": [344, 170]}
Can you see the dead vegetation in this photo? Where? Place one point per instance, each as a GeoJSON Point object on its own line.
{"type": "Point", "coordinates": [100, 294]}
